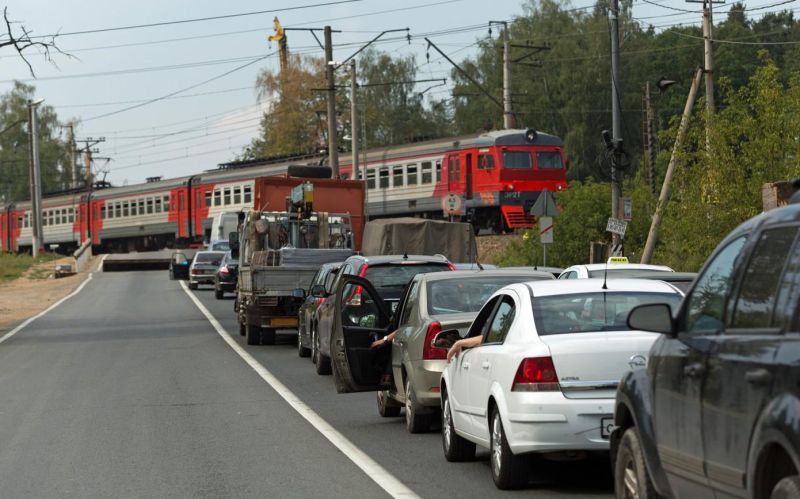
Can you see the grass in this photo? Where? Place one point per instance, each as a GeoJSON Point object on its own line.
{"type": "Point", "coordinates": [13, 265]}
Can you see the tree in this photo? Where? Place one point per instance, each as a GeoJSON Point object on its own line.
{"type": "Point", "coordinates": [22, 42]}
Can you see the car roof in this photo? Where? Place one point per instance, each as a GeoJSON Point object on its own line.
{"type": "Point", "coordinates": [635, 266]}
{"type": "Point", "coordinates": [466, 274]}
{"type": "Point", "coordinates": [662, 276]}
{"type": "Point", "coordinates": [575, 286]}
{"type": "Point", "coordinates": [210, 253]}
{"type": "Point", "coordinates": [399, 258]}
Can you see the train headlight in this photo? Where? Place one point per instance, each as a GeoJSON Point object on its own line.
{"type": "Point", "coordinates": [530, 135]}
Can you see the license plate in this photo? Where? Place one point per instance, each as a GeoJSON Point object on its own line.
{"type": "Point", "coordinates": [606, 427]}
{"type": "Point", "coordinates": [289, 321]}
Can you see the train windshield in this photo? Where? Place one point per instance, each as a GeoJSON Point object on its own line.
{"type": "Point", "coordinates": [517, 160]}
{"type": "Point", "coordinates": [549, 160]}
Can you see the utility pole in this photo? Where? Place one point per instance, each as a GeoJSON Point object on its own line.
{"type": "Point", "coordinates": [71, 140]}
{"type": "Point", "coordinates": [88, 150]}
{"type": "Point", "coordinates": [708, 55]}
{"type": "Point", "coordinates": [354, 130]}
{"type": "Point", "coordinates": [37, 241]}
{"type": "Point", "coordinates": [333, 146]}
{"type": "Point", "coordinates": [508, 114]}
{"type": "Point", "coordinates": [616, 118]}
{"type": "Point", "coordinates": [649, 139]}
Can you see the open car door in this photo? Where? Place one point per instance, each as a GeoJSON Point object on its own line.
{"type": "Point", "coordinates": [360, 318]}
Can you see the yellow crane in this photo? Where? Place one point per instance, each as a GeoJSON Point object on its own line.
{"type": "Point", "coordinates": [280, 37]}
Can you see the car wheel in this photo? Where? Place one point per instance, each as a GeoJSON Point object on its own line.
{"type": "Point", "coordinates": [267, 336]}
{"type": "Point", "coordinates": [508, 470]}
{"type": "Point", "coordinates": [301, 350]}
{"type": "Point", "coordinates": [787, 488]}
{"type": "Point", "coordinates": [387, 407]}
{"type": "Point", "coordinates": [171, 275]}
{"type": "Point", "coordinates": [456, 447]}
{"type": "Point", "coordinates": [322, 364]}
{"type": "Point", "coordinates": [253, 334]}
{"type": "Point", "coordinates": [631, 479]}
{"type": "Point", "coordinates": [242, 329]}
{"type": "Point", "coordinates": [192, 285]}
{"type": "Point", "coordinates": [218, 293]}
{"type": "Point", "coordinates": [415, 423]}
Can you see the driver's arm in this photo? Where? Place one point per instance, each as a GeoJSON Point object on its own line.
{"type": "Point", "coordinates": [461, 344]}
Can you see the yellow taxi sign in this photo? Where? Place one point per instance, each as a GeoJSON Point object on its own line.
{"type": "Point", "coordinates": [618, 259]}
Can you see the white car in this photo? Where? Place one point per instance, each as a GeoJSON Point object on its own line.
{"type": "Point", "coordinates": [544, 378]}
{"type": "Point", "coordinates": [612, 269]}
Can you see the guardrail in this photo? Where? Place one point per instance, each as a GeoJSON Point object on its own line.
{"type": "Point", "coordinates": [83, 256]}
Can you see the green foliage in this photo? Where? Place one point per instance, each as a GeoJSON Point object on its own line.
{"type": "Point", "coordinates": [13, 265]}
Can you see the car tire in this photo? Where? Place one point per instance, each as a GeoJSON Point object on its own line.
{"type": "Point", "coordinates": [192, 285]}
{"type": "Point", "coordinates": [786, 488]}
{"type": "Point", "coordinates": [242, 329]}
{"type": "Point", "coordinates": [268, 336]}
{"type": "Point", "coordinates": [415, 423]}
{"type": "Point", "coordinates": [456, 448]}
{"type": "Point", "coordinates": [171, 275]}
{"type": "Point", "coordinates": [322, 364]}
{"type": "Point", "coordinates": [631, 478]}
{"type": "Point", "coordinates": [301, 350]}
{"type": "Point", "coordinates": [387, 407]}
{"type": "Point", "coordinates": [253, 334]}
{"type": "Point", "coordinates": [218, 293]}
{"type": "Point", "coordinates": [508, 470]}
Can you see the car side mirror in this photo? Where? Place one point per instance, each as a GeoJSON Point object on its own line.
{"type": "Point", "coordinates": [298, 293]}
{"type": "Point", "coordinates": [655, 317]}
{"type": "Point", "coordinates": [317, 290]}
{"type": "Point", "coordinates": [446, 339]}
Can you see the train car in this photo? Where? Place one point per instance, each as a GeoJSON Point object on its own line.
{"type": "Point", "coordinates": [59, 215]}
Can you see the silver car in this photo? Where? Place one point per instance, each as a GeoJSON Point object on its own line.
{"type": "Point", "coordinates": [432, 303]}
{"type": "Point", "coordinates": [203, 267]}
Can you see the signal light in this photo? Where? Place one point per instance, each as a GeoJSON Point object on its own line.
{"type": "Point", "coordinates": [430, 352]}
{"type": "Point", "coordinates": [536, 374]}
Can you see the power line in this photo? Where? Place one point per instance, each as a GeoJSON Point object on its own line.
{"type": "Point", "coordinates": [116, 103]}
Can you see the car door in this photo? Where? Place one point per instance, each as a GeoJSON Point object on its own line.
{"type": "Point", "coordinates": [308, 305]}
{"type": "Point", "coordinates": [406, 312]}
{"type": "Point", "coordinates": [677, 373]}
{"type": "Point", "coordinates": [356, 324]}
{"type": "Point", "coordinates": [486, 357]}
{"type": "Point", "coordinates": [326, 310]}
{"type": "Point", "coordinates": [739, 375]}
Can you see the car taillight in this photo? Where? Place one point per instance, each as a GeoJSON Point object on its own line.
{"type": "Point", "coordinates": [452, 267]}
{"type": "Point", "coordinates": [536, 374]}
{"type": "Point", "coordinates": [430, 352]}
{"type": "Point", "coordinates": [224, 270]}
{"type": "Point", "coordinates": [355, 300]}
{"type": "Point", "coordinates": [320, 300]}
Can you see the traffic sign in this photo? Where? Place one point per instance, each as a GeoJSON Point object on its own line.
{"type": "Point", "coordinates": [546, 230]}
{"type": "Point", "coordinates": [627, 209]}
{"type": "Point", "coordinates": [617, 226]}
{"type": "Point", "coordinates": [452, 203]}
{"type": "Point", "coordinates": [545, 205]}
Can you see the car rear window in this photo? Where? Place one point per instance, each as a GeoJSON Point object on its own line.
{"type": "Point", "coordinates": [452, 296]}
{"type": "Point", "coordinates": [209, 258]}
{"type": "Point", "coordinates": [397, 275]}
{"type": "Point", "coordinates": [589, 312]}
{"type": "Point", "coordinates": [617, 273]}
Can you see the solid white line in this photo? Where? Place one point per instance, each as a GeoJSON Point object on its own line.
{"type": "Point", "coordinates": [375, 471]}
{"type": "Point", "coordinates": [54, 305]}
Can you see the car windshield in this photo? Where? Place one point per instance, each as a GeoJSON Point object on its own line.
{"type": "Point", "coordinates": [221, 246]}
{"type": "Point", "coordinates": [589, 312]}
{"type": "Point", "coordinates": [398, 275]}
{"type": "Point", "coordinates": [211, 258]}
{"type": "Point", "coordinates": [617, 273]}
{"type": "Point", "coordinates": [453, 296]}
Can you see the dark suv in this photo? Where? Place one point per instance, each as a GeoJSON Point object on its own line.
{"type": "Point", "coordinates": [389, 274]}
{"type": "Point", "coordinates": [717, 410]}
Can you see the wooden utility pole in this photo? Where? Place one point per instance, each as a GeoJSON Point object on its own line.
{"type": "Point", "coordinates": [616, 120]}
{"type": "Point", "coordinates": [354, 130]}
{"type": "Point", "coordinates": [333, 145]}
{"type": "Point", "coordinates": [652, 236]}
{"type": "Point", "coordinates": [37, 240]}
{"type": "Point", "coordinates": [508, 114]}
{"type": "Point", "coordinates": [708, 58]}
{"type": "Point", "coordinates": [71, 144]}
{"type": "Point", "coordinates": [650, 157]}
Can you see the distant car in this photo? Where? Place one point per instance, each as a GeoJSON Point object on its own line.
{"type": "Point", "coordinates": [389, 274]}
{"type": "Point", "coordinates": [203, 267]}
{"type": "Point", "coordinates": [308, 310]}
{"type": "Point", "coordinates": [544, 377]}
{"type": "Point", "coordinates": [432, 302]}
{"type": "Point", "coordinates": [556, 271]}
{"type": "Point", "coordinates": [717, 411]}
{"type": "Point", "coordinates": [219, 245]}
{"type": "Point", "coordinates": [610, 269]}
{"type": "Point", "coordinates": [681, 280]}
{"type": "Point", "coordinates": [179, 263]}
{"type": "Point", "coordinates": [226, 276]}
{"type": "Point", "coordinates": [474, 266]}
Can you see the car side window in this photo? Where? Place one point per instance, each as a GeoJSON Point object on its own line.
{"type": "Point", "coordinates": [501, 322]}
{"type": "Point", "coordinates": [410, 304]}
{"type": "Point", "coordinates": [482, 322]}
{"type": "Point", "coordinates": [705, 306]}
{"type": "Point", "coordinates": [762, 279]}
{"type": "Point", "coordinates": [569, 275]}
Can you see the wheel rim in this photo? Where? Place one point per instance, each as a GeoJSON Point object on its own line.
{"type": "Point", "coordinates": [497, 447]}
{"type": "Point", "coordinates": [447, 427]}
{"type": "Point", "coordinates": [630, 481]}
{"type": "Point", "coordinates": [409, 409]}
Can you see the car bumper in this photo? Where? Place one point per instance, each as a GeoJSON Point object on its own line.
{"type": "Point", "coordinates": [201, 278]}
{"type": "Point", "coordinates": [550, 422]}
{"type": "Point", "coordinates": [425, 375]}
{"type": "Point", "coordinates": [226, 286]}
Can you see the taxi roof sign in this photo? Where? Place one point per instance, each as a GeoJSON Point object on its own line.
{"type": "Point", "coordinates": [618, 259]}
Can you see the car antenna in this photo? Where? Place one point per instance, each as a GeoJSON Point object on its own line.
{"type": "Point", "coordinates": [605, 276]}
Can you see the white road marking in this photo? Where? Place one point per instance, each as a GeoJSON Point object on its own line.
{"type": "Point", "coordinates": [375, 471]}
{"type": "Point", "coordinates": [54, 305]}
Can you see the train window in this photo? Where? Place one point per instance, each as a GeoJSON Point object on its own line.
{"type": "Point", "coordinates": [397, 176]}
{"type": "Point", "coordinates": [427, 172]}
{"type": "Point", "coordinates": [383, 177]}
{"type": "Point", "coordinates": [26, 221]}
{"type": "Point", "coordinates": [64, 216]}
{"type": "Point", "coordinates": [44, 218]}
{"type": "Point", "coordinates": [51, 217]}
{"type": "Point", "coordinates": [103, 212]}
{"type": "Point", "coordinates": [57, 217]}
{"type": "Point", "coordinates": [149, 206]}
{"type": "Point", "coordinates": [158, 205]}
{"type": "Point", "coordinates": [180, 203]}
{"type": "Point", "coordinates": [208, 198]}
{"type": "Point", "coordinates": [517, 160]}
{"type": "Point", "coordinates": [117, 209]}
{"type": "Point", "coordinates": [227, 196]}
{"type": "Point", "coordinates": [72, 215]}
{"type": "Point", "coordinates": [371, 178]}
{"type": "Point", "coordinates": [126, 209]}
{"type": "Point", "coordinates": [485, 162]}
{"type": "Point", "coordinates": [438, 171]}
{"type": "Point", "coordinates": [248, 194]}
{"type": "Point", "coordinates": [549, 160]}
{"type": "Point", "coordinates": [237, 195]}
{"type": "Point", "coordinates": [141, 206]}
{"type": "Point", "coordinates": [166, 203]}
{"type": "Point", "coordinates": [217, 197]}
{"type": "Point", "coordinates": [411, 174]}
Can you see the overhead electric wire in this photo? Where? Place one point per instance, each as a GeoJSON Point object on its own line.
{"type": "Point", "coordinates": [118, 103]}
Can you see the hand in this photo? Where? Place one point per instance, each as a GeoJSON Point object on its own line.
{"type": "Point", "coordinates": [454, 350]}
{"type": "Point", "coordinates": [377, 343]}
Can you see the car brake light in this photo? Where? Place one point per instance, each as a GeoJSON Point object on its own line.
{"type": "Point", "coordinates": [355, 299]}
{"type": "Point", "coordinates": [536, 374]}
{"type": "Point", "coordinates": [430, 352]}
{"type": "Point", "coordinates": [320, 300]}
{"type": "Point", "coordinates": [452, 267]}
{"type": "Point", "coordinates": [224, 270]}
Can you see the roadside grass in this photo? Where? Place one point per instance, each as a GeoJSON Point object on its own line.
{"type": "Point", "coordinates": [13, 265]}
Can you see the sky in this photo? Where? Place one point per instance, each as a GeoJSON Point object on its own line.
{"type": "Point", "coordinates": [208, 68]}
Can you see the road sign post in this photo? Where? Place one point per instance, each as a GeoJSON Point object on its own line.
{"type": "Point", "coordinates": [627, 209]}
{"type": "Point", "coordinates": [545, 205]}
{"type": "Point", "coordinates": [452, 204]}
{"type": "Point", "coordinates": [545, 235]}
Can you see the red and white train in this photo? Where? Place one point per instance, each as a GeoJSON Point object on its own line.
{"type": "Point", "coordinates": [498, 176]}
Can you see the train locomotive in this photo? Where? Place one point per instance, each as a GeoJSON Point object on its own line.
{"type": "Point", "coordinates": [497, 176]}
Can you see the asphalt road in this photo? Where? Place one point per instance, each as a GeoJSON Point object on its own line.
{"type": "Point", "coordinates": [126, 390]}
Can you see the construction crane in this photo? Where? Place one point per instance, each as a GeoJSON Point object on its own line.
{"type": "Point", "coordinates": [280, 37]}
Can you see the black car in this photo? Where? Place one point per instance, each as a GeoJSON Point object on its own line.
{"type": "Point", "coordinates": [315, 296]}
{"type": "Point", "coordinates": [226, 276]}
{"type": "Point", "coordinates": [179, 263]}
{"type": "Point", "coordinates": [389, 274]}
{"type": "Point", "coordinates": [716, 413]}
{"type": "Point", "coordinates": [681, 280]}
